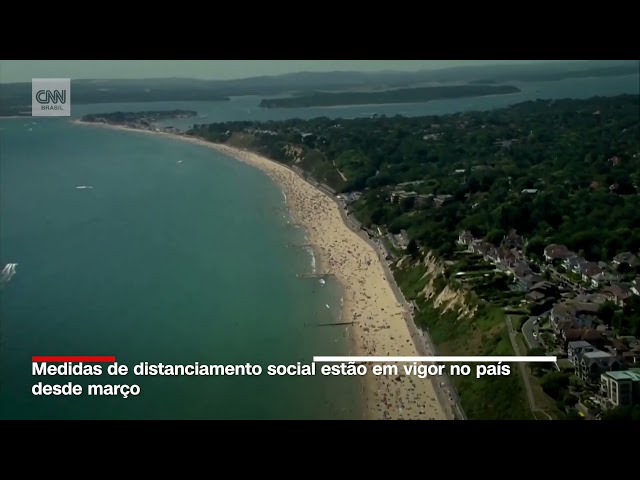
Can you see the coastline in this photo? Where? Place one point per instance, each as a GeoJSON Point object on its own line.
{"type": "Point", "coordinates": [369, 292]}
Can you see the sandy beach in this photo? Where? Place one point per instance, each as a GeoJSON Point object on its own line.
{"type": "Point", "coordinates": [369, 298]}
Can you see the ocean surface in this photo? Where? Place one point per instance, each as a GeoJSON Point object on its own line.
{"type": "Point", "coordinates": [176, 255]}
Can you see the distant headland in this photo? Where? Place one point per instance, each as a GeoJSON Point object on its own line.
{"type": "Point", "coordinates": [402, 95]}
{"type": "Point", "coordinates": [140, 120]}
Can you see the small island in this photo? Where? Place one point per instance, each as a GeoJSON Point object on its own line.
{"type": "Point", "coordinates": [402, 95]}
{"type": "Point", "coordinates": [140, 120]}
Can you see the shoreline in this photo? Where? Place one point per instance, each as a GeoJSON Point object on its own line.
{"type": "Point", "coordinates": [370, 295]}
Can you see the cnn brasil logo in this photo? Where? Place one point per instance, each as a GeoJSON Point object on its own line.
{"type": "Point", "coordinates": [51, 97]}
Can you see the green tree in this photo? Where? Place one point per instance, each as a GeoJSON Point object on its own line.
{"type": "Point", "coordinates": [495, 236]}
{"type": "Point", "coordinates": [553, 383]}
{"type": "Point", "coordinates": [535, 246]}
{"type": "Point", "coordinates": [407, 204]}
{"type": "Point", "coordinates": [412, 247]}
{"type": "Point", "coordinates": [624, 413]}
{"type": "Point", "coordinates": [606, 312]}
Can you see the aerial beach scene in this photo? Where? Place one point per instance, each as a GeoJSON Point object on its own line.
{"type": "Point", "coordinates": [368, 298]}
{"type": "Point", "coordinates": [226, 220]}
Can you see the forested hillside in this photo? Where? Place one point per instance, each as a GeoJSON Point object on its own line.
{"type": "Point", "coordinates": [564, 171]}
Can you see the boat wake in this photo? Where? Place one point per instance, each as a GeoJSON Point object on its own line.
{"type": "Point", "coordinates": [8, 271]}
{"type": "Point", "coordinates": [313, 259]}
{"type": "Point", "coordinates": [84, 187]}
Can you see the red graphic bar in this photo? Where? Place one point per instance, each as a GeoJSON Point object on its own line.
{"type": "Point", "coordinates": [52, 359]}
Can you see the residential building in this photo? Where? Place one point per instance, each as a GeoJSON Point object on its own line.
{"type": "Point", "coordinates": [557, 252]}
{"type": "Point", "coordinates": [574, 263]}
{"type": "Point", "coordinates": [439, 200]}
{"type": "Point", "coordinates": [589, 270]}
{"type": "Point", "coordinates": [618, 348]}
{"type": "Point", "coordinates": [513, 240]}
{"type": "Point", "coordinates": [602, 278]}
{"type": "Point", "coordinates": [400, 195]}
{"type": "Point", "coordinates": [506, 143]}
{"type": "Point", "coordinates": [506, 257]}
{"type": "Point", "coordinates": [485, 249]}
{"type": "Point", "coordinates": [575, 349]}
{"type": "Point", "coordinates": [625, 257]}
{"type": "Point", "coordinates": [589, 335]}
{"type": "Point", "coordinates": [561, 317]}
{"type": "Point", "coordinates": [621, 387]}
{"type": "Point", "coordinates": [527, 280]}
{"type": "Point", "coordinates": [465, 238]}
{"type": "Point", "coordinates": [578, 265]}
{"type": "Point", "coordinates": [542, 289]}
{"type": "Point", "coordinates": [618, 293]}
{"type": "Point", "coordinates": [521, 268]}
{"type": "Point", "coordinates": [568, 315]}
{"type": "Point", "coordinates": [480, 248]}
{"type": "Point", "coordinates": [548, 288]}
{"type": "Point", "coordinates": [597, 298]}
{"type": "Point", "coordinates": [585, 312]}
{"type": "Point", "coordinates": [593, 364]}
{"type": "Point", "coordinates": [408, 184]}
{"type": "Point", "coordinates": [350, 197]}
{"type": "Point", "coordinates": [422, 200]}
{"type": "Point", "coordinates": [534, 296]}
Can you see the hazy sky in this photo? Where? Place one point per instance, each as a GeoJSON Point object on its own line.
{"type": "Point", "coordinates": [25, 70]}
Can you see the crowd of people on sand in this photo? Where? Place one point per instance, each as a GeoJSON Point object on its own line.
{"type": "Point", "coordinates": [369, 299]}
{"type": "Point", "coordinates": [381, 328]}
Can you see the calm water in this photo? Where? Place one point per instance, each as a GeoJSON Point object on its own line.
{"type": "Point", "coordinates": [246, 108]}
{"type": "Point", "coordinates": [161, 262]}
{"type": "Point", "coordinates": [176, 255]}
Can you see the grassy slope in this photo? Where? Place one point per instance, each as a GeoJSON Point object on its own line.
{"type": "Point", "coordinates": [490, 397]}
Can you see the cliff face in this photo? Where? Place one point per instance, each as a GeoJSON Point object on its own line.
{"type": "Point", "coordinates": [447, 299]}
{"type": "Point", "coordinates": [464, 321]}
{"type": "Point", "coordinates": [293, 152]}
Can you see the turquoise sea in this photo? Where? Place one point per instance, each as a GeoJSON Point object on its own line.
{"type": "Point", "coordinates": [177, 254]}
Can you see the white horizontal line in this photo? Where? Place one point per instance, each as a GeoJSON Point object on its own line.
{"type": "Point", "coordinates": [480, 359]}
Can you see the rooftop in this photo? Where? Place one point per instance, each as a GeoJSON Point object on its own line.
{"type": "Point", "coordinates": [632, 374]}
{"type": "Point", "coordinates": [582, 307]}
{"type": "Point", "coordinates": [579, 344]}
{"type": "Point", "coordinates": [597, 354]}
